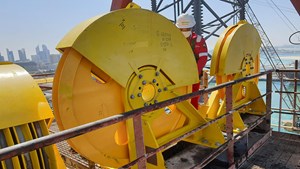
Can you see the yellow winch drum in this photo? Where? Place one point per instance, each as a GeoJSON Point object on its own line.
{"type": "Point", "coordinates": [24, 112]}
{"type": "Point", "coordinates": [235, 56]}
{"type": "Point", "coordinates": [124, 60]}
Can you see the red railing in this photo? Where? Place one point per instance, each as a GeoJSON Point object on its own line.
{"type": "Point", "coordinates": [9, 152]}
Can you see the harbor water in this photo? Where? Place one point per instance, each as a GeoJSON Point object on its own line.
{"type": "Point", "coordinates": [286, 104]}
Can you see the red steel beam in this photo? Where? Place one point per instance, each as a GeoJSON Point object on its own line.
{"type": "Point", "coordinates": [229, 127]}
{"type": "Point", "coordinates": [119, 4]}
{"type": "Point", "coordinates": [296, 4]}
{"type": "Point", "coordinates": [139, 140]}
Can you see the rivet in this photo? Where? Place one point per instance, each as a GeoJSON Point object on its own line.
{"type": "Point", "coordinates": [218, 144]}
{"type": "Point", "coordinates": [154, 80]}
{"type": "Point", "coordinates": [132, 96]}
{"type": "Point", "coordinates": [139, 94]}
{"type": "Point", "coordinates": [204, 141]}
{"type": "Point", "coordinates": [167, 110]}
{"type": "Point", "coordinates": [144, 82]}
{"type": "Point", "coordinates": [140, 76]}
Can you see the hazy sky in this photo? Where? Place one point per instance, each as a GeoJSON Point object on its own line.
{"type": "Point", "coordinates": [26, 24]}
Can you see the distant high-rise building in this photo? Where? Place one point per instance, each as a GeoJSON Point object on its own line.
{"type": "Point", "coordinates": [43, 55]}
{"type": "Point", "coordinates": [10, 55]}
{"type": "Point", "coordinates": [1, 58]}
{"type": "Point", "coordinates": [35, 58]}
{"type": "Point", "coordinates": [54, 58]}
{"type": "Point", "coordinates": [45, 50]}
{"type": "Point", "coordinates": [37, 50]}
{"type": "Point", "coordinates": [22, 55]}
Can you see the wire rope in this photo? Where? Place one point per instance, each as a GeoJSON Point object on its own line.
{"type": "Point", "coordinates": [290, 38]}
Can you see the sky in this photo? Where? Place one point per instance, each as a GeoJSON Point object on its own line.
{"type": "Point", "coordinates": [27, 24]}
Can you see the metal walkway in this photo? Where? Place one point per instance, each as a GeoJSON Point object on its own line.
{"type": "Point", "coordinates": [281, 151]}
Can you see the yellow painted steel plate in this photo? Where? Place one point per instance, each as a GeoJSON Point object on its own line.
{"type": "Point", "coordinates": [123, 41]}
{"type": "Point", "coordinates": [99, 58]}
{"type": "Point", "coordinates": [24, 111]}
{"type": "Point", "coordinates": [21, 99]}
{"type": "Point", "coordinates": [236, 43]}
{"type": "Point", "coordinates": [236, 55]}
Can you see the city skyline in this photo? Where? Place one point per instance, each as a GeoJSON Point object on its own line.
{"type": "Point", "coordinates": [28, 23]}
{"type": "Point", "coordinates": [20, 54]}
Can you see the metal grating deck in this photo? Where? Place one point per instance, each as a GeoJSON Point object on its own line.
{"type": "Point", "coordinates": [281, 151]}
{"type": "Point", "coordinates": [71, 158]}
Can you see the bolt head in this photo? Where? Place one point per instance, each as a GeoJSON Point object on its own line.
{"type": "Point", "coordinates": [204, 141]}
{"type": "Point", "coordinates": [218, 144]}
{"type": "Point", "coordinates": [167, 110]}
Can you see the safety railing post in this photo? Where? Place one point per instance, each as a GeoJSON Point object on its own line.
{"type": "Point", "coordinates": [295, 117]}
{"type": "Point", "coordinates": [139, 140]}
{"type": "Point", "coordinates": [268, 101]}
{"type": "Point", "coordinates": [229, 127]}
{"type": "Point", "coordinates": [280, 101]}
{"type": "Point", "coordinates": [204, 86]}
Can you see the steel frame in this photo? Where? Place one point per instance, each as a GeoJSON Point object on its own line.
{"type": "Point", "coordinates": [295, 108]}
{"type": "Point", "coordinates": [196, 7]}
{"type": "Point", "coordinates": [241, 10]}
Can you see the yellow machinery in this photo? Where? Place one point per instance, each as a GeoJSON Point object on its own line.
{"type": "Point", "coordinates": [236, 55]}
{"type": "Point", "coordinates": [120, 61]}
{"type": "Point", "coordinates": [24, 116]}
{"type": "Point", "coordinates": [124, 60]}
{"type": "Point", "coordinates": [132, 58]}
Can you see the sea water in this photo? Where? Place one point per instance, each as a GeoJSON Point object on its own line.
{"type": "Point", "coordinates": [286, 103]}
{"type": "Point", "coordinates": [275, 103]}
{"type": "Point", "coordinates": [288, 60]}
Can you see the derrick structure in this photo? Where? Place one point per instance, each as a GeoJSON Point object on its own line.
{"type": "Point", "coordinates": [210, 28]}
